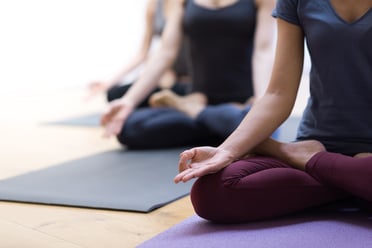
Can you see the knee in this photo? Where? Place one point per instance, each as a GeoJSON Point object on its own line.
{"type": "Point", "coordinates": [213, 199]}
{"type": "Point", "coordinates": [131, 137]}
{"type": "Point", "coordinates": [230, 196]}
{"type": "Point", "coordinates": [203, 200]}
{"type": "Point", "coordinates": [138, 134]}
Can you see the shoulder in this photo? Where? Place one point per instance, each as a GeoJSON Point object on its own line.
{"type": "Point", "coordinates": [176, 5]}
{"type": "Point", "coordinates": [289, 5]}
{"type": "Point", "coordinates": [151, 6]}
{"type": "Point", "coordinates": [287, 10]}
{"type": "Point", "coordinates": [177, 2]}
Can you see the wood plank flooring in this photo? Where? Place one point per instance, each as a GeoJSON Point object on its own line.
{"type": "Point", "coordinates": [26, 144]}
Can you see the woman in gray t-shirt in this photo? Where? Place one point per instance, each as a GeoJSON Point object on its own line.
{"type": "Point", "coordinates": [331, 159]}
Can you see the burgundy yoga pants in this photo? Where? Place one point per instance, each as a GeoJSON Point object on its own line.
{"type": "Point", "coordinates": [261, 187]}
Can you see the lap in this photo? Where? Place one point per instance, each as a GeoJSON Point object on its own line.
{"type": "Point", "coordinates": [162, 127]}
{"type": "Point", "coordinates": [249, 189]}
{"type": "Point", "coordinates": [264, 172]}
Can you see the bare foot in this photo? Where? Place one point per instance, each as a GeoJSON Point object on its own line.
{"type": "Point", "coordinates": [363, 155]}
{"type": "Point", "coordinates": [191, 105]}
{"type": "Point", "coordinates": [296, 154]}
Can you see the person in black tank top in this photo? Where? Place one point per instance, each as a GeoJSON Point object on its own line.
{"type": "Point", "coordinates": [230, 54]}
{"type": "Point", "coordinates": [221, 47]}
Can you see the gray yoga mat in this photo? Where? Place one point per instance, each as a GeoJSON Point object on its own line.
{"type": "Point", "coordinates": [121, 180]}
{"type": "Point", "coordinates": [287, 131]}
{"type": "Point", "coordinates": [87, 120]}
{"type": "Point", "coordinates": [343, 228]}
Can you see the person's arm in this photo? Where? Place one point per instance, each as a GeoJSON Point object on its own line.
{"type": "Point", "coordinates": [162, 59]}
{"type": "Point", "coordinates": [266, 115]}
{"type": "Point", "coordinates": [97, 87]}
{"type": "Point", "coordinates": [264, 41]}
{"type": "Point", "coordinates": [275, 106]}
{"type": "Point", "coordinates": [158, 63]}
{"type": "Point", "coordinates": [143, 52]}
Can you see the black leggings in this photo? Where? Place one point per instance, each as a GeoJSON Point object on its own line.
{"type": "Point", "coordinates": [118, 91]}
{"type": "Point", "coordinates": [149, 128]}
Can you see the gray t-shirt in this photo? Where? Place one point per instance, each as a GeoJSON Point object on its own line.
{"type": "Point", "coordinates": [339, 110]}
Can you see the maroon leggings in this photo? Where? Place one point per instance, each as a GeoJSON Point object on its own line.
{"type": "Point", "coordinates": [262, 187]}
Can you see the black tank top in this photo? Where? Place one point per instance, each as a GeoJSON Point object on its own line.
{"type": "Point", "coordinates": [221, 46]}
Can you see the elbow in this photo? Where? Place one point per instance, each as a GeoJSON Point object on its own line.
{"type": "Point", "coordinates": [167, 56]}
{"type": "Point", "coordinates": [163, 58]}
{"type": "Point", "coordinates": [282, 99]}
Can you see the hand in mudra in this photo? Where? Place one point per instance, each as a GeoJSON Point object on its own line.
{"type": "Point", "coordinates": [200, 161]}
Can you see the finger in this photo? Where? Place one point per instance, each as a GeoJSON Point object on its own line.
{"type": "Point", "coordinates": [108, 132]}
{"type": "Point", "coordinates": [203, 170]}
{"type": "Point", "coordinates": [188, 154]}
{"type": "Point", "coordinates": [183, 166]}
{"type": "Point", "coordinates": [117, 126]}
{"type": "Point", "coordinates": [183, 176]}
{"type": "Point", "coordinates": [191, 173]}
{"type": "Point", "coordinates": [107, 116]}
{"type": "Point", "coordinates": [184, 161]}
{"type": "Point", "coordinates": [104, 120]}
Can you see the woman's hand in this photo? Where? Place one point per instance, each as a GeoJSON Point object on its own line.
{"type": "Point", "coordinates": [114, 118]}
{"type": "Point", "coordinates": [201, 161]}
{"type": "Point", "coordinates": [95, 88]}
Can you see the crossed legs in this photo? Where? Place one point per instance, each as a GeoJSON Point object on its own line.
{"type": "Point", "coordinates": [263, 187]}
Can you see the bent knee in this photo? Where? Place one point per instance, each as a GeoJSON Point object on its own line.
{"type": "Point", "coordinates": [216, 201]}
{"type": "Point", "coordinates": [133, 140]}
{"type": "Point", "coordinates": [204, 198]}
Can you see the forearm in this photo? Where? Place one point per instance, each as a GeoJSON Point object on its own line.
{"type": "Point", "coordinates": [150, 77]}
{"type": "Point", "coordinates": [276, 104]}
{"type": "Point", "coordinates": [133, 64]}
{"type": "Point", "coordinates": [161, 61]}
{"type": "Point", "coordinates": [144, 49]}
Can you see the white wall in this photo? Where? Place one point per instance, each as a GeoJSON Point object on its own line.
{"type": "Point", "coordinates": [66, 43]}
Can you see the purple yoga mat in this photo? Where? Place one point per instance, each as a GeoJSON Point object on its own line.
{"type": "Point", "coordinates": [342, 229]}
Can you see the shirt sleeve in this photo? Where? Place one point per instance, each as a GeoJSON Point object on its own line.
{"type": "Point", "coordinates": [287, 10]}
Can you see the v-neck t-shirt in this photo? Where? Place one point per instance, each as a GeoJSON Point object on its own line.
{"type": "Point", "coordinates": [339, 110]}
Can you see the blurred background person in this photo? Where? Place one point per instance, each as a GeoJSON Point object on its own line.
{"type": "Point", "coordinates": [230, 44]}
{"type": "Point", "coordinates": [174, 78]}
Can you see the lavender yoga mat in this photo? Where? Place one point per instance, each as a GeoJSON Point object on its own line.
{"type": "Point", "coordinates": [345, 228]}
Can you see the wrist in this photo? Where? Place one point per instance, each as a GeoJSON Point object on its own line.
{"type": "Point", "coordinates": [229, 152]}
{"type": "Point", "coordinates": [127, 101]}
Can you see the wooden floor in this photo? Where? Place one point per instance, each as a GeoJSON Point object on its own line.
{"type": "Point", "coordinates": [26, 144]}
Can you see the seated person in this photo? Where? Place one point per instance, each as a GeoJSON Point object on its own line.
{"type": "Point", "coordinates": [230, 44]}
